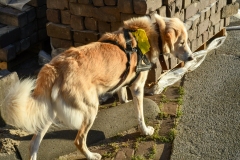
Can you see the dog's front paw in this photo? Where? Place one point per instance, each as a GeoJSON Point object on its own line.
{"type": "Point", "coordinates": [149, 131]}
{"type": "Point", "coordinates": [94, 156]}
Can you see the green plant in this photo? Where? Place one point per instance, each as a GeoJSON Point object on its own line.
{"type": "Point", "coordinates": [172, 134]}
{"type": "Point", "coordinates": [137, 158]}
{"type": "Point", "coordinates": [152, 152]}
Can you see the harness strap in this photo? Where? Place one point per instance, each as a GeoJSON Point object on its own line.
{"type": "Point", "coordinates": [161, 57]}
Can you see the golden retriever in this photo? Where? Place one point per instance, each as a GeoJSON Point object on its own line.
{"type": "Point", "coordinates": [68, 87]}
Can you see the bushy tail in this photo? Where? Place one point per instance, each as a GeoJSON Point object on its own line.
{"type": "Point", "coordinates": [23, 111]}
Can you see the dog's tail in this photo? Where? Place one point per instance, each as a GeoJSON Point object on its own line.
{"type": "Point", "coordinates": [27, 109]}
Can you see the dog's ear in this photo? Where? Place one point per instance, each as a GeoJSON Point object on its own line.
{"type": "Point", "coordinates": [171, 37]}
{"type": "Point", "coordinates": [162, 28]}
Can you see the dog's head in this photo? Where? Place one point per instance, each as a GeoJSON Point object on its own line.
{"type": "Point", "coordinates": [174, 37]}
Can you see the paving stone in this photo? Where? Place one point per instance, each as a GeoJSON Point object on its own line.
{"type": "Point", "coordinates": [28, 29]}
{"type": "Point", "coordinates": [82, 9]}
{"type": "Point", "coordinates": [25, 44]}
{"type": "Point", "coordinates": [8, 35]}
{"type": "Point", "coordinates": [162, 11]}
{"type": "Point", "coordinates": [215, 18]}
{"type": "Point", "coordinates": [107, 14]}
{"type": "Point", "coordinates": [186, 3]}
{"type": "Point", "coordinates": [8, 53]}
{"type": "Point", "coordinates": [115, 26]}
{"type": "Point", "coordinates": [13, 17]}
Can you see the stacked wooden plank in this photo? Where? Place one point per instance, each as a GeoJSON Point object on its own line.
{"type": "Point", "coordinates": [20, 30]}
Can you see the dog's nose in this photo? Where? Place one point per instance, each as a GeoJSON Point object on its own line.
{"type": "Point", "coordinates": [190, 58]}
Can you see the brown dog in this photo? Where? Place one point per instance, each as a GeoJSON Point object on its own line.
{"type": "Point", "coordinates": [68, 87]}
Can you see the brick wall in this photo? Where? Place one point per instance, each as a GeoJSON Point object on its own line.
{"type": "Point", "coordinates": [78, 22]}
{"type": "Point", "coordinates": [20, 30]}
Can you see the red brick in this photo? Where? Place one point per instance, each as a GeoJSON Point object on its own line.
{"type": "Point", "coordinates": [7, 53]}
{"type": "Point", "coordinates": [194, 21]}
{"type": "Point", "coordinates": [104, 27]}
{"type": "Point", "coordinates": [107, 14]}
{"type": "Point", "coordinates": [171, 10]}
{"type": "Point", "coordinates": [98, 3]}
{"type": "Point", "coordinates": [230, 1]}
{"type": "Point", "coordinates": [191, 10]}
{"type": "Point", "coordinates": [213, 8]}
{"type": "Point", "coordinates": [180, 15]}
{"type": "Point", "coordinates": [77, 22]}
{"type": "Point", "coordinates": [8, 35]}
{"type": "Point", "coordinates": [202, 27]}
{"type": "Point", "coordinates": [57, 4]}
{"type": "Point", "coordinates": [41, 11]}
{"type": "Point", "coordinates": [65, 17]}
{"type": "Point", "coordinates": [90, 24]}
{"type": "Point", "coordinates": [204, 14]}
{"type": "Point", "coordinates": [230, 10]}
{"type": "Point", "coordinates": [167, 2]}
{"type": "Point", "coordinates": [216, 28]}
{"type": "Point", "coordinates": [162, 11]}
{"type": "Point", "coordinates": [226, 21]}
{"type": "Point", "coordinates": [110, 2]}
{"type": "Point", "coordinates": [84, 1]}
{"type": "Point", "coordinates": [53, 15]}
{"type": "Point", "coordinates": [126, 16]}
{"type": "Point", "coordinates": [186, 3]}
{"type": "Point", "coordinates": [192, 34]}
{"type": "Point", "coordinates": [82, 9]}
{"type": "Point", "coordinates": [215, 18]}
{"type": "Point", "coordinates": [59, 31]}
{"type": "Point", "coordinates": [145, 7]}
{"type": "Point", "coordinates": [125, 6]}
{"type": "Point", "coordinates": [115, 26]}
{"type": "Point", "coordinates": [61, 43]}
{"type": "Point", "coordinates": [179, 4]}
{"type": "Point", "coordinates": [220, 4]}
{"type": "Point", "coordinates": [13, 17]}
{"type": "Point", "coordinates": [205, 36]}
{"type": "Point", "coordinates": [85, 37]}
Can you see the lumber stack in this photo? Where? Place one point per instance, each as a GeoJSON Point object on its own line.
{"type": "Point", "coordinates": [19, 30]}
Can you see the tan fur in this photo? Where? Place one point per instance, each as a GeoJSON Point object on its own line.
{"type": "Point", "coordinates": [68, 87]}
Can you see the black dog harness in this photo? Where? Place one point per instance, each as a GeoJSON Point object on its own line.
{"type": "Point", "coordinates": [129, 50]}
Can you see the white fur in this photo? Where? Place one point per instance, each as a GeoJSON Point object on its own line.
{"type": "Point", "coordinates": [23, 111]}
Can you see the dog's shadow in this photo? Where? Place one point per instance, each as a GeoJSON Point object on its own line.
{"type": "Point", "coordinates": [94, 136]}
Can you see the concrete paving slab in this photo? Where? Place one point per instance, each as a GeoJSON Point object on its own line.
{"type": "Point", "coordinates": [108, 123]}
{"type": "Point", "coordinates": [210, 125]}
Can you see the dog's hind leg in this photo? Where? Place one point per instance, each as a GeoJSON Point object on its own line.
{"type": "Point", "coordinates": [137, 90]}
{"type": "Point", "coordinates": [122, 95]}
{"type": "Point", "coordinates": [81, 137]}
{"type": "Point", "coordinates": [36, 140]}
